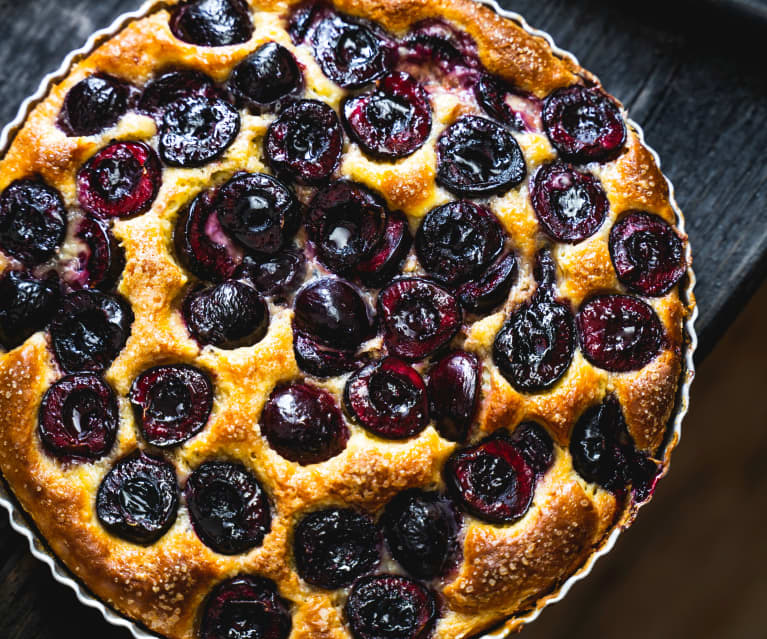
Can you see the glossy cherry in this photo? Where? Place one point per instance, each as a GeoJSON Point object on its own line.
{"type": "Point", "coordinates": [647, 253]}
{"type": "Point", "coordinates": [457, 240]}
{"type": "Point", "coordinates": [477, 157]}
{"type": "Point", "coordinates": [246, 607]}
{"type": "Point", "coordinates": [89, 330]}
{"type": "Point", "coordinates": [453, 51]}
{"type": "Point", "coordinates": [519, 110]}
{"type": "Point", "coordinates": [27, 304]}
{"type": "Point", "coordinates": [492, 480]}
{"type": "Point", "coordinates": [619, 333]}
{"type": "Point", "coordinates": [386, 261]}
{"type": "Point", "coordinates": [390, 606]}
{"type": "Point", "coordinates": [258, 211]}
{"type": "Point", "coordinates": [138, 499]}
{"type": "Point", "coordinates": [212, 23]}
{"type": "Point", "coordinates": [389, 399]}
{"type": "Point", "coordinates": [79, 417]}
{"type": "Point", "coordinates": [33, 221]}
{"type": "Point", "coordinates": [101, 260]}
{"type": "Point", "coordinates": [305, 142]}
{"type": "Point", "coordinates": [491, 288]}
{"type": "Point", "coordinates": [229, 315]}
{"type": "Point", "coordinates": [171, 403]}
{"type": "Point", "coordinates": [121, 180]}
{"type": "Point", "coordinates": [419, 317]}
{"type": "Point", "coordinates": [421, 529]}
{"type": "Point", "coordinates": [303, 423]}
{"type": "Point", "coordinates": [454, 392]}
{"type": "Point", "coordinates": [196, 130]}
{"type": "Point", "coordinates": [535, 445]}
{"type": "Point", "coordinates": [334, 547]}
{"type": "Point", "coordinates": [352, 51]}
{"type": "Point", "coordinates": [584, 124]}
{"type": "Point", "coordinates": [266, 77]}
{"type": "Point", "coordinates": [315, 358]}
{"type": "Point", "coordinates": [172, 86]}
{"type": "Point", "coordinates": [346, 222]}
{"type": "Point", "coordinates": [535, 346]}
{"type": "Point", "coordinates": [94, 104]}
{"type": "Point", "coordinates": [229, 510]}
{"type": "Point", "coordinates": [391, 122]}
{"type": "Point", "coordinates": [278, 276]}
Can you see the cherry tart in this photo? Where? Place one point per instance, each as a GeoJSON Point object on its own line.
{"type": "Point", "coordinates": [334, 319]}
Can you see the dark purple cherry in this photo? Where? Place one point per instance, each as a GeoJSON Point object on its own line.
{"type": "Point", "coordinates": [171, 403]}
{"type": "Point", "coordinates": [258, 211]}
{"type": "Point", "coordinates": [304, 424]}
{"type": "Point", "coordinates": [571, 205]}
{"type": "Point", "coordinates": [89, 330]}
{"type": "Point", "coordinates": [229, 315]}
{"type": "Point", "coordinates": [352, 51]}
{"type": "Point", "coordinates": [419, 317]}
{"type": "Point", "coordinates": [584, 124]}
{"type": "Point", "coordinates": [604, 453]}
{"type": "Point", "coordinates": [102, 260]}
{"type": "Point", "coordinates": [393, 121]}
{"type": "Point", "coordinates": [196, 130]}
{"type": "Point", "coordinates": [304, 18]}
{"type": "Point", "coordinates": [138, 499]}
{"type": "Point", "coordinates": [333, 311]}
{"type": "Point", "coordinates": [619, 333]}
{"type": "Point", "coordinates": [491, 288]}
{"type": "Point", "coordinates": [266, 77]}
{"type": "Point", "coordinates": [492, 480]}
{"type": "Point", "coordinates": [278, 276]}
{"type": "Point", "coordinates": [201, 244]}
{"type": "Point", "coordinates": [387, 259]}
{"type": "Point", "coordinates": [212, 23]}
{"type": "Point", "coordinates": [457, 240]}
{"type": "Point", "coordinates": [246, 607]}
{"type": "Point", "coordinates": [27, 304]}
{"type": "Point", "coordinates": [390, 607]}
{"type": "Point", "coordinates": [345, 221]}
{"type": "Point", "coordinates": [535, 445]}
{"type": "Point", "coordinates": [334, 547]}
{"type": "Point", "coordinates": [535, 346]}
{"type": "Point", "coordinates": [454, 51]}
{"type": "Point", "coordinates": [79, 417]}
{"type": "Point", "coordinates": [421, 529]}
{"type": "Point", "coordinates": [315, 358]}
{"type": "Point", "coordinates": [388, 399]}
{"type": "Point", "coordinates": [647, 253]}
{"type": "Point", "coordinates": [171, 87]}
{"type": "Point", "coordinates": [454, 389]}
{"type": "Point", "coordinates": [229, 510]}
{"type": "Point", "coordinates": [518, 109]}
{"type": "Point", "coordinates": [305, 142]}
{"type": "Point", "coordinates": [93, 105]}
{"type": "Point", "coordinates": [33, 221]}
{"type": "Point", "coordinates": [477, 157]}
{"type": "Point", "coordinates": [122, 179]}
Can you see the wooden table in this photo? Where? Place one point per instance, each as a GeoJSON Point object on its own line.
{"type": "Point", "coordinates": [692, 73]}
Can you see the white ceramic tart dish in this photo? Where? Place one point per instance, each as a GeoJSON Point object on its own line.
{"type": "Point", "coordinates": [363, 319]}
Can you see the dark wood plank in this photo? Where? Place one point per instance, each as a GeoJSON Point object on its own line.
{"type": "Point", "coordinates": [689, 74]}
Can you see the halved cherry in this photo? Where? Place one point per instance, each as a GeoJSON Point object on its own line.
{"type": "Point", "coordinates": [535, 445]}
{"type": "Point", "coordinates": [389, 399]}
{"type": "Point", "coordinates": [391, 122]}
{"type": "Point", "coordinates": [33, 221]}
{"type": "Point", "coordinates": [27, 304]}
{"type": "Point", "coordinates": [584, 124]}
{"type": "Point", "coordinates": [518, 109]}
{"type": "Point", "coordinates": [419, 317]}
{"type": "Point", "coordinates": [101, 260]}
{"type": "Point", "coordinates": [277, 276]}
{"type": "Point", "coordinates": [212, 23]}
{"type": "Point", "coordinates": [647, 253]}
{"type": "Point", "coordinates": [172, 86]}
{"type": "Point", "coordinates": [266, 78]}
{"type": "Point", "coordinates": [491, 288]}
{"type": "Point", "coordinates": [492, 480]}
{"type": "Point", "coordinates": [454, 390]}
{"type": "Point", "coordinates": [387, 259]}
{"type": "Point", "coordinates": [94, 104]}
{"type": "Point", "coordinates": [477, 157]}
{"type": "Point", "coordinates": [171, 403]}
{"type": "Point", "coordinates": [315, 358]}
{"type": "Point", "coordinates": [571, 205]}
{"type": "Point", "coordinates": [454, 51]}
{"type": "Point", "coordinates": [79, 417]}
{"type": "Point", "coordinates": [121, 180]}
{"type": "Point", "coordinates": [619, 333]}
{"type": "Point", "coordinates": [345, 221]}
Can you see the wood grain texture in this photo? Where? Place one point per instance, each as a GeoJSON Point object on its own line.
{"type": "Point", "coordinates": [690, 74]}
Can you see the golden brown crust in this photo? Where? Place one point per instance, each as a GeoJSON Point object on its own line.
{"type": "Point", "coordinates": [504, 570]}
